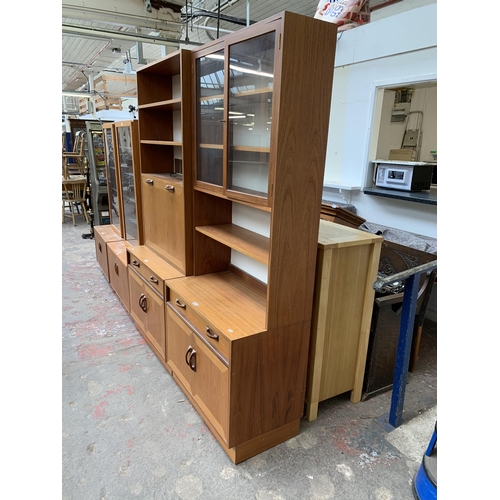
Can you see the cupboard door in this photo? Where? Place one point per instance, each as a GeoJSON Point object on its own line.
{"type": "Point", "coordinates": [115, 211]}
{"type": "Point", "coordinates": [155, 324]}
{"type": "Point", "coordinates": [101, 252]}
{"type": "Point", "coordinates": [164, 218]}
{"type": "Point", "coordinates": [136, 288]}
{"type": "Point", "coordinates": [118, 272]}
{"type": "Point", "coordinates": [251, 78]}
{"type": "Point", "coordinates": [200, 371]}
{"type": "Point", "coordinates": [210, 118]}
{"type": "Point", "coordinates": [125, 162]}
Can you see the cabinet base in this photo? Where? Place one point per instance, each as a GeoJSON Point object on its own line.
{"type": "Point", "coordinates": [250, 448]}
{"type": "Point", "coordinates": [153, 348]}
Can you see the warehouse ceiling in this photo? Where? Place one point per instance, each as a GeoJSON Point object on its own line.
{"type": "Point", "coordinates": [105, 41]}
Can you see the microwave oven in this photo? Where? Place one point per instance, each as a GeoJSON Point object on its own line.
{"type": "Point", "coordinates": [403, 175]}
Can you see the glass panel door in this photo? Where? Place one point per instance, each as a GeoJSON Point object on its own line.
{"type": "Point", "coordinates": [114, 205]}
{"type": "Point", "coordinates": [210, 116]}
{"type": "Point", "coordinates": [124, 144]}
{"type": "Point", "coordinates": [251, 76]}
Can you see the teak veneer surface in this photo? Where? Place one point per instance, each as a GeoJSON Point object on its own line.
{"type": "Point", "coordinates": [333, 235]}
{"type": "Point", "coordinates": [155, 262]}
{"type": "Point", "coordinates": [232, 305]}
{"type": "Point", "coordinates": [247, 242]}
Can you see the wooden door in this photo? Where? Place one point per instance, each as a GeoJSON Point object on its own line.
{"type": "Point", "coordinates": [136, 287]}
{"type": "Point", "coordinates": [163, 207]}
{"type": "Point", "coordinates": [201, 372]}
{"type": "Point", "coordinates": [155, 324]}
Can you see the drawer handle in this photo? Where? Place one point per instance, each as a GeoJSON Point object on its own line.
{"type": "Point", "coordinates": [135, 263]}
{"type": "Point", "coordinates": [100, 248]}
{"type": "Point", "coordinates": [214, 336]}
{"type": "Point", "coordinates": [150, 181]}
{"type": "Point", "coordinates": [116, 269]}
{"type": "Point", "coordinates": [191, 358]}
{"type": "Point", "coordinates": [143, 303]}
{"type": "Point", "coordinates": [153, 280]}
{"type": "Point", "coordinates": [170, 188]}
{"type": "Point", "coordinates": [178, 303]}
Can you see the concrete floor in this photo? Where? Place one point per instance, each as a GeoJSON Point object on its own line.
{"type": "Point", "coordinates": [129, 432]}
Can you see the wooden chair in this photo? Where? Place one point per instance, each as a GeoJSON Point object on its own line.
{"type": "Point", "coordinates": [78, 155]}
{"type": "Point", "coordinates": [73, 195]}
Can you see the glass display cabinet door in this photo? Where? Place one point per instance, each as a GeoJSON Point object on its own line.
{"type": "Point", "coordinates": [251, 76]}
{"type": "Point", "coordinates": [210, 116]}
{"type": "Point", "coordinates": [124, 145]}
{"type": "Point", "coordinates": [100, 164]}
{"type": "Point", "coordinates": [114, 202]}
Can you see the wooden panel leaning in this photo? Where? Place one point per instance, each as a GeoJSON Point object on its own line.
{"type": "Point", "coordinates": [343, 302]}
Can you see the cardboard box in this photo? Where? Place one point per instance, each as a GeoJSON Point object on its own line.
{"type": "Point", "coordinates": [402, 154]}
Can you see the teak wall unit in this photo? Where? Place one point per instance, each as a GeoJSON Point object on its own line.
{"type": "Point", "coordinates": [164, 102]}
{"type": "Point", "coordinates": [346, 269]}
{"type": "Point", "coordinates": [237, 345]}
{"type": "Point", "coordinates": [121, 142]}
{"type": "Point", "coordinates": [165, 127]}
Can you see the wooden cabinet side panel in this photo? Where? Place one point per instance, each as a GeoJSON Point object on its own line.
{"type": "Point", "coordinates": [300, 136]}
{"type": "Point", "coordinates": [349, 268]}
{"type": "Point", "coordinates": [268, 377]}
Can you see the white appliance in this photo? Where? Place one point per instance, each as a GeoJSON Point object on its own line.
{"type": "Point", "coordinates": [403, 175]}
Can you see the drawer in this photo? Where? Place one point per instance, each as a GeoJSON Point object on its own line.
{"type": "Point", "coordinates": [204, 327]}
{"type": "Point", "coordinates": [145, 271]}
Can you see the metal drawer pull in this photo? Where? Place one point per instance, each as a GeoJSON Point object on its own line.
{"type": "Point", "coordinates": [214, 336]}
{"type": "Point", "coordinates": [191, 358]}
{"type": "Point", "coordinates": [116, 269]}
{"type": "Point", "coordinates": [153, 280]}
{"type": "Point", "coordinates": [188, 353]}
{"type": "Point", "coordinates": [150, 181]}
{"type": "Point", "coordinates": [180, 304]}
{"type": "Point", "coordinates": [143, 303]}
{"type": "Point", "coordinates": [170, 188]}
{"type": "Point", "coordinates": [135, 263]}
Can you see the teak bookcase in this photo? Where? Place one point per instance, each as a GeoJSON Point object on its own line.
{"type": "Point", "coordinates": [121, 145]}
{"type": "Point", "coordinates": [238, 330]}
{"type": "Point", "coordinates": [165, 123]}
{"type": "Point", "coordinates": [232, 144]}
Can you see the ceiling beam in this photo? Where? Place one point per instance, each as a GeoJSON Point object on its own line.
{"type": "Point", "coordinates": [116, 35]}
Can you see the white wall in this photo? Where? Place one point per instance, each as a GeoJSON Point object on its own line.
{"type": "Point", "coordinates": [396, 50]}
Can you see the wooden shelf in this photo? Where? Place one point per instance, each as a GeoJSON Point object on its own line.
{"type": "Point", "coordinates": [253, 149]}
{"type": "Point", "coordinates": [265, 90]}
{"type": "Point", "coordinates": [247, 242]}
{"type": "Point", "coordinates": [168, 104]}
{"type": "Point", "coordinates": [161, 143]}
{"type": "Point", "coordinates": [232, 304]}
{"type": "Point", "coordinates": [211, 146]}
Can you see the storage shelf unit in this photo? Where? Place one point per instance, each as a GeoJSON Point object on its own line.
{"type": "Point", "coordinates": [346, 269]}
{"type": "Point", "coordinates": [243, 320]}
{"type": "Point", "coordinates": [164, 103]}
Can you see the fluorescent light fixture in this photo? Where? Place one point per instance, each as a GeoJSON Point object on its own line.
{"type": "Point", "coordinates": [250, 71]}
{"type": "Point", "coordinates": [77, 94]}
{"type": "Point", "coordinates": [215, 56]}
{"type": "Point", "coordinates": [240, 68]}
{"type": "Point", "coordinates": [237, 116]}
